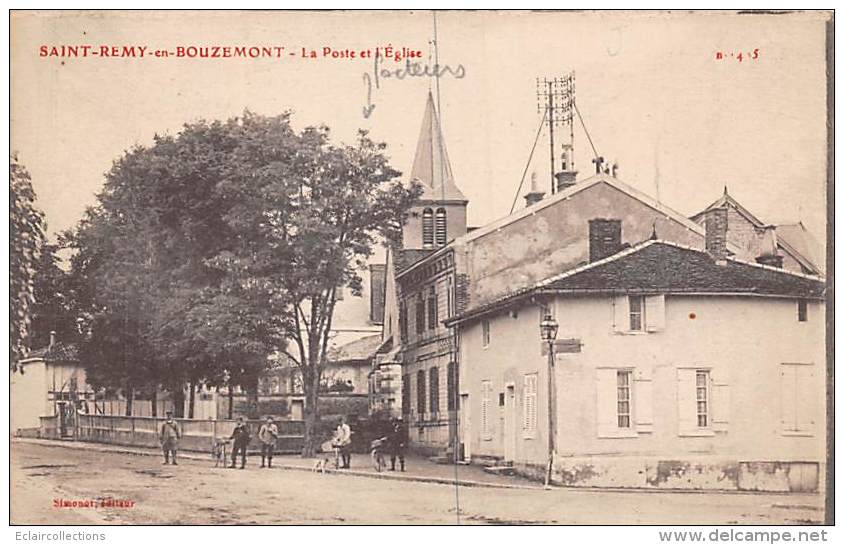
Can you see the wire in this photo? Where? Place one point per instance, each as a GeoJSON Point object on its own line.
{"type": "Point", "coordinates": [527, 166]}
{"type": "Point", "coordinates": [580, 117]}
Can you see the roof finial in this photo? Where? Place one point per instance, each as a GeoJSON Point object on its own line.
{"type": "Point", "coordinates": [653, 231]}
{"type": "Point", "coordinates": [725, 190]}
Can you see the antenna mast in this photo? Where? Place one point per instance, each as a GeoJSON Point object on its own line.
{"type": "Point", "coordinates": [555, 100]}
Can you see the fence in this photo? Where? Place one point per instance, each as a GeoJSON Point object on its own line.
{"type": "Point", "coordinates": [197, 435]}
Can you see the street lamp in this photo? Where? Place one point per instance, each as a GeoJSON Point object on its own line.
{"type": "Point", "coordinates": [548, 329]}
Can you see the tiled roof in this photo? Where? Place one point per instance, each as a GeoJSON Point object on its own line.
{"type": "Point", "coordinates": [359, 350]}
{"type": "Point", "coordinates": [58, 352]}
{"type": "Point", "coordinates": [657, 266]}
{"type": "Point", "coordinates": [405, 258]}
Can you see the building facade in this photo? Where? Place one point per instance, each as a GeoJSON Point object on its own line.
{"type": "Point", "coordinates": [674, 367]}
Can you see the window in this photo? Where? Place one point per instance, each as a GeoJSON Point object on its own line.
{"type": "Point", "coordinates": [452, 386]}
{"type": "Point", "coordinates": [485, 332]}
{"type": "Point", "coordinates": [432, 309]}
{"type": "Point", "coordinates": [486, 393]}
{"type": "Point", "coordinates": [442, 235]}
{"type": "Point", "coordinates": [802, 311]}
{"type": "Point", "coordinates": [799, 392]}
{"type": "Point", "coordinates": [623, 379]}
{"type": "Point", "coordinates": [637, 312]}
{"type": "Point", "coordinates": [434, 381]}
{"type": "Point", "coordinates": [427, 228]}
{"type": "Point", "coordinates": [420, 314]}
{"type": "Point", "coordinates": [420, 393]}
{"type": "Point", "coordinates": [405, 394]}
{"type": "Point", "coordinates": [702, 397]}
{"type": "Point", "coordinates": [530, 387]}
{"type": "Point", "coordinates": [403, 321]}
{"type": "Point", "coordinates": [74, 385]}
{"type": "Point", "coordinates": [450, 296]}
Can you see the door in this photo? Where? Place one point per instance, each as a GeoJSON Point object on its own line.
{"type": "Point", "coordinates": [509, 428]}
{"type": "Point", "coordinates": [465, 425]}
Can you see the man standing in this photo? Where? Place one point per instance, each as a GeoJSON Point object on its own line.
{"type": "Point", "coordinates": [397, 443]}
{"type": "Point", "coordinates": [344, 442]}
{"type": "Point", "coordinates": [170, 435]}
{"type": "Point", "coordinates": [268, 434]}
{"type": "Point", "coordinates": [240, 440]}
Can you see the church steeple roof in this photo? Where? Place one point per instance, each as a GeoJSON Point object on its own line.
{"type": "Point", "coordinates": [430, 165]}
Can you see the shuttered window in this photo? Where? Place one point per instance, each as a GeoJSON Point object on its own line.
{"type": "Point", "coordinates": [452, 386]}
{"type": "Point", "coordinates": [434, 381]}
{"type": "Point", "coordinates": [636, 304]}
{"type": "Point", "coordinates": [529, 408]}
{"type": "Point", "coordinates": [433, 317]}
{"type": "Point", "coordinates": [420, 394]}
{"type": "Point", "coordinates": [623, 391]}
{"type": "Point", "coordinates": [618, 394]}
{"type": "Point", "coordinates": [637, 313]}
{"type": "Point", "coordinates": [405, 394]}
{"type": "Point", "coordinates": [799, 394]}
{"type": "Point", "coordinates": [427, 228]}
{"type": "Point", "coordinates": [441, 223]}
{"type": "Point", "coordinates": [420, 314]}
{"type": "Point", "coordinates": [486, 400]}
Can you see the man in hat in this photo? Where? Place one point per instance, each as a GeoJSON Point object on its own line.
{"type": "Point", "coordinates": [397, 442]}
{"type": "Point", "coordinates": [268, 434]}
{"type": "Point", "coordinates": [240, 440]}
{"type": "Point", "coordinates": [169, 437]}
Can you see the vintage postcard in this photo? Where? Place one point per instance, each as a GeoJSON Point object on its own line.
{"type": "Point", "coordinates": [418, 267]}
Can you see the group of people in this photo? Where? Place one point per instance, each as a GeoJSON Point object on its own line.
{"type": "Point", "coordinates": [268, 435]}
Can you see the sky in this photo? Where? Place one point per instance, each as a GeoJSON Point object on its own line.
{"type": "Point", "coordinates": [655, 98]}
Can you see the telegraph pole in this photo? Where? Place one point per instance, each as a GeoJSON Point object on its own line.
{"type": "Point", "coordinates": [555, 100]}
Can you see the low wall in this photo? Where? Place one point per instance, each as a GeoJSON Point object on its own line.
{"type": "Point", "coordinates": [688, 474]}
{"type": "Point", "coordinates": [197, 435]}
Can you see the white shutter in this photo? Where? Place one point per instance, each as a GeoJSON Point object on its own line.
{"type": "Point", "coordinates": [807, 396]}
{"type": "Point", "coordinates": [621, 314]}
{"type": "Point", "coordinates": [655, 312]}
{"type": "Point", "coordinates": [530, 404]}
{"type": "Point", "coordinates": [788, 397]}
{"type": "Point", "coordinates": [720, 398]}
{"type": "Point", "coordinates": [643, 400]}
{"type": "Point", "coordinates": [486, 389]}
{"type": "Point", "coordinates": [607, 399]}
{"type": "Point", "coordinates": [686, 401]}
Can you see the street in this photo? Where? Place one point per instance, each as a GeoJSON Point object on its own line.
{"type": "Point", "coordinates": [194, 492]}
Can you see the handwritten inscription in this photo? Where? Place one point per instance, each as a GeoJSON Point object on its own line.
{"type": "Point", "coordinates": [410, 69]}
{"type": "Point", "coordinates": [739, 56]}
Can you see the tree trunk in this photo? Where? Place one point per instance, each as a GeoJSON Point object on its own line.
{"type": "Point", "coordinates": [154, 401]}
{"type": "Point", "coordinates": [178, 402]}
{"type": "Point", "coordinates": [231, 402]}
{"type": "Point", "coordinates": [130, 398]}
{"type": "Point", "coordinates": [192, 399]}
{"type": "Point", "coordinates": [311, 386]}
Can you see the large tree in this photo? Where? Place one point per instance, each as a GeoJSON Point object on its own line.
{"type": "Point", "coordinates": [308, 214]}
{"type": "Point", "coordinates": [26, 236]}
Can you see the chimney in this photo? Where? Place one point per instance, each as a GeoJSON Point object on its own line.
{"type": "Point", "coordinates": [566, 176]}
{"type": "Point", "coordinates": [604, 238]}
{"type": "Point", "coordinates": [715, 223]}
{"type": "Point", "coordinates": [52, 340]}
{"type": "Point", "coordinates": [535, 194]}
{"type": "Point", "coordinates": [768, 251]}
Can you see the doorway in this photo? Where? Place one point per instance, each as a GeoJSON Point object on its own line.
{"type": "Point", "coordinates": [510, 421]}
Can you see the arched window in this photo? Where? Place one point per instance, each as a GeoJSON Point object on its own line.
{"type": "Point", "coordinates": [428, 227]}
{"type": "Point", "coordinates": [442, 235]}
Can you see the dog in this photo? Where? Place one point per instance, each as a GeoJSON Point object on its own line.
{"type": "Point", "coordinates": [218, 452]}
{"type": "Point", "coordinates": [320, 464]}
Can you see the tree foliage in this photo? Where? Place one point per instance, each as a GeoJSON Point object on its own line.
{"type": "Point", "coordinates": [26, 236]}
{"type": "Point", "coordinates": [213, 249]}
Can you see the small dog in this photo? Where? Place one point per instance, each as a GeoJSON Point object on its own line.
{"type": "Point", "coordinates": [218, 452]}
{"type": "Point", "coordinates": [320, 464]}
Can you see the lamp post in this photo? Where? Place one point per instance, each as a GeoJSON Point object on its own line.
{"type": "Point", "coordinates": [548, 329]}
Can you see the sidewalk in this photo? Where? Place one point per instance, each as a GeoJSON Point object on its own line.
{"type": "Point", "coordinates": [417, 468]}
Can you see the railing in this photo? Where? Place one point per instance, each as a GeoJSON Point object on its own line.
{"type": "Point", "coordinates": [197, 435]}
